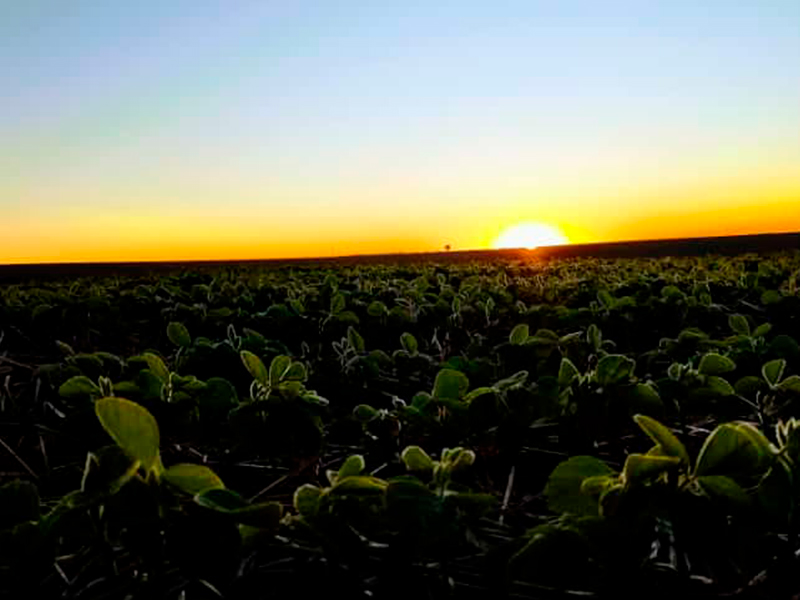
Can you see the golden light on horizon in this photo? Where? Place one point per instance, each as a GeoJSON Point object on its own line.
{"type": "Point", "coordinates": [530, 236]}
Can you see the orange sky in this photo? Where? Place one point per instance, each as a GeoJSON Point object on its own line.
{"type": "Point", "coordinates": [227, 231]}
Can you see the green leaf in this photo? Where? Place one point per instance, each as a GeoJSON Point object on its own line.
{"type": "Point", "coordinates": [348, 316]}
{"type": "Point", "coordinates": [377, 309]}
{"type": "Point", "coordinates": [192, 479]}
{"type": "Point", "coordinates": [661, 435]}
{"type": "Point", "coordinates": [739, 324]}
{"type": "Point", "coordinates": [543, 337]}
{"type": "Point", "coordinates": [157, 366]}
{"type": "Point", "coordinates": [477, 393]}
{"type": "Point", "coordinates": [639, 467]}
{"type": "Point", "coordinates": [65, 348]}
{"type": "Point", "coordinates": [109, 359]}
{"type": "Point", "coordinates": [315, 400]}
{"type": "Point", "coordinates": [220, 313]}
{"type": "Point", "coordinates": [790, 384]}
{"type": "Point", "coordinates": [415, 507]}
{"type": "Point", "coordinates": [720, 386]}
{"type": "Point", "coordinates": [692, 335]}
{"type": "Point", "coordinates": [338, 303]}
{"type": "Point", "coordinates": [78, 387]}
{"type": "Point", "coordinates": [255, 367]}
{"type": "Point", "coordinates": [307, 499]}
{"type": "Point", "coordinates": [614, 368]}
{"type": "Point", "coordinates": [365, 413]}
{"type": "Point", "coordinates": [773, 371]}
{"type": "Point", "coordinates": [758, 439]}
{"type": "Point", "coordinates": [519, 334]}
{"type": "Point", "coordinates": [359, 485]}
{"type": "Point", "coordinates": [450, 384]}
{"type": "Point", "coordinates": [715, 364]}
{"type": "Point", "coordinates": [252, 333]}
{"type": "Point", "coordinates": [458, 459]}
{"type": "Point", "coordinates": [416, 459]}
{"type": "Point", "coordinates": [88, 363]}
{"type": "Point", "coordinates": [218, 395]}
{"type": "Point", "coordinates": [355, 340]}
{"type": "Point", "coordinates": [645, 399]}
{"type": "Point", "coordinates": [133, 428]}
{"type": "Point", "coordinates": [673, 292]}
{"type": "Point", "coordinates": [278, 368]}
{"type": "Point", "coordinates": [762, 330]}
{"type": "Point", "coordinates": [293, 389]}
{"type": "Point", "coordinates": [594, 486]}
{"type": "Point", "coordinates": [567, 372]}
{"type": "Point", "coordinates": [734, 449]}
{"type": "Point", "coordinates": [421, 401]}
{"type": "Point", "coordinates": [351, 467]}
{"type": "Point", "coordinates": [570, 338]}
{"type": "Point", "coordinates": [221, 499]}
{"type": "Point", "coordinates": [409, 343]}
{"type": "Point", "coordinates": [189, 383]}
{"type": "Point", "coordinates": [563, 490]}
{"type": "Point", "coordinates": [296, 372]}
{"type": "Point", "coordinates": [179, 335]}
{"type": "Point", "coordinates": [149, 385]}
{"type": "Point", "coordinates": [724, 488]}
{"type": "Point", "coordinates": [771, 297]}
{"type": "Point", "coordinates": [380, 358]}
{"type": "Point", "coordinates": [41, 309]}
{"type": "Point", "coordinates": [278, 311]}
{"type": "Point", "coordinates": [605, 298]}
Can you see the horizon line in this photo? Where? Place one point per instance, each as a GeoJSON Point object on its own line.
{"type": "Point", "coordinates": [443, 252]}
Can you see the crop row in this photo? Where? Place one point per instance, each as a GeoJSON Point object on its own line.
{"type": "Point", "coordinates": [470, 430]}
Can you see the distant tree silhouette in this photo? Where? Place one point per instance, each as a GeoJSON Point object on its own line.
{"type": "Point", "coordinates": [447, 247]}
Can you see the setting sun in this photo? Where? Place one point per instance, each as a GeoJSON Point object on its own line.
{"type": "Point", "coordinates": [530, 235]}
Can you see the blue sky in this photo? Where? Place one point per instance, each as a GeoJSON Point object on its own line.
{"type": "Point", "coordinates": [182, 106]}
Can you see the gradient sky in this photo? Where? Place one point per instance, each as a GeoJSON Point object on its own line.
{"type": "Point", "coordinates": [192, 129]}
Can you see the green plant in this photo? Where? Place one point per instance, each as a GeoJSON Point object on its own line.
{"type": "Point", "coordinates": [283, 381]}
{"type": "Point", "coordinates": [703, 381]}
{"type": "Point", "coordinates": [662, 488]}
{"type": "Point", "coordinates": [772, 393]}
{"type": "Point", "coordinates": [599, 398]}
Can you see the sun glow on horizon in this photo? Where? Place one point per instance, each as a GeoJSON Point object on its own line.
{"type": "Point", "coordinates": [530, 236]}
